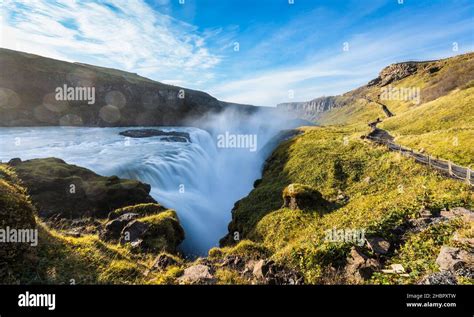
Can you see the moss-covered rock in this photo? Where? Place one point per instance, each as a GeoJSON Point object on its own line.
{"type": "Point", "coordinates": [16, 212]}
{"type": "Point", "coordinates": [155, 233]}
{"type": "Point", "coordinates": [304, 197]}
{"type": "Point", "coordinates": [139, 209]}
{"type": "Point", "coordinates": [165, 260]}
{"type": "Point", "coordinates": [58, 188]}
{"type": "Point", "coordinates": [112, 229]}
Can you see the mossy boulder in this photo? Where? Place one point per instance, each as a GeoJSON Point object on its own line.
{"type": "Point", "coordinates": [113, 229]}
{"type": "Point", "coordinates": [304, 197]}
{"type": "Point", "coordinates": [139, 209]}
{"type": "Point", "coordinates": [165, 260]}
{"type": "Point", "coordinates": [155, 233]}
{"type": "Point", "coordinates": [70, 191]}
{"type": "Point", "coordinates": [16, 212]}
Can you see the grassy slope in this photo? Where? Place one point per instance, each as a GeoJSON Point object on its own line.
{"type": "Point", "coordinates": [49, 65]}
{"type": "Point", "coordinates": [442, 124]}
{"type": "Point", "coordinates": [443, 127]}
{"type": "Point", "coordinates": [384, 189]}
{"type": "Point", "coordinates": [61, 259]}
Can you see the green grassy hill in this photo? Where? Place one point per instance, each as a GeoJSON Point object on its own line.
{"type": "Point", "coordinates": [443, 127]}
{"type": "Point", "coordinates": [441, 123]}
{"type": "Point", "coordinates": [28, 86]}
{"type": "Point", "coordinates": [383, 190]}
{"type": "Point", "coordinates": [370, 188]}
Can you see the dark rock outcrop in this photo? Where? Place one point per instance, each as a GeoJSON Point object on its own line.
{"type": "Point", "coordinates": [360, 267]}
{"type": "Point", "coordinates": [172, 136]}
{"type": "Point", "coordinates": [58, 188]}
{"type": "Point", "coordinates": [163, 261]}
{"type": "Point", "coordinates": [309, 110]}
{"type": "Point", "coordinates": [113, 228]}
{"type": "Point", "coordinates": [394, 72]}
{"type": "Point", "coordinates": [140, 209]}
{"type": "Point", "coordinates": [155, 233]}
{"type": "Point", "coordinates": [133, 231]}
{"type": "Point", "coordinates": [380, 135]}
{"type": "Point", "coordinates": [269, 272]}
{"type": "Point", "coordinates": [378, 245]}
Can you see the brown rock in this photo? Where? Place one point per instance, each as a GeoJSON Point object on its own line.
{"type": "Point", "coordinates": [197, 274]}
{"type": "Point", "coordinates": [466, 241]}
{"type": "Point", "coordinates": [378, 245]}
{"type": "Point", "coordinates": [268, 272]}
{"type": "Point", "coordinates": [259, 269]}
{"type": "Point", "coordinates": [396, 72]}
{"type": "Point", "coordinates": [464, 213]}
{"type": "Point", "coordinates": [360, 267]}
{"type": "Point", "coordinates": [163, 260]}
{"type": "Point", "coordinates": [454, 259]}
{"type": "Point", "coordinates": [234, 262]}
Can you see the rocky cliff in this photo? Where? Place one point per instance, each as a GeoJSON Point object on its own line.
{"type": "Point", "coordinates": [432, 79]}
{"type": "Point", "coordinates": [394, 72]}
{"type": "Point", "coordinates": [29, 96]}
{"type": "Point", "coordinates": [310, 109]}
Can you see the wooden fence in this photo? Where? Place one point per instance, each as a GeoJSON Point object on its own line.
{"type": "Point", "coordinates": [446, 167]}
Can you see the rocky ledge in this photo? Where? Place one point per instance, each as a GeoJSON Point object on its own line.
{"type": "Point", "coordinates": [171, 136]}
{"type": "Point", "coordinates": [67, 191]}
{"type": "Point", "coordinates": [146, 227]}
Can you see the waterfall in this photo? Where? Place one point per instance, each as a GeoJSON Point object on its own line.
{"type": "Point", "coordinates": [200, 179]}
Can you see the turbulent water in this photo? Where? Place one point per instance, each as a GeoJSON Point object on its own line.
{"type": "Point", "coordinates": [200, 180]}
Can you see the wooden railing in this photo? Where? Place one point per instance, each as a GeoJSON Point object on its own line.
{"type": "Point", "coordinates": [446, 167]}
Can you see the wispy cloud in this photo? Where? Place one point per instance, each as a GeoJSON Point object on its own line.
{"type": "Point", "coordinates": [284, 50]}
{"type": "Point", "coordinates": [110, 33]}
{"type": "Point", "coordinates": [330, 70]}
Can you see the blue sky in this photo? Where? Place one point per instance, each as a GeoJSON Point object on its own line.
{"type": "Point", "coordinates": [260, 52]}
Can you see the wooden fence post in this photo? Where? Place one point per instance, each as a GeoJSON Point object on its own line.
{"type": "Point", "coordinates": [429, 160]}
{"type": "Point", "coordinates": [450, 168]}
{"type": "Point", "coordinates": [468, 175]}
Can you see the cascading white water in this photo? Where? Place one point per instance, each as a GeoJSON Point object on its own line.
{"type": "Point", "coordinates": [199, 180]}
